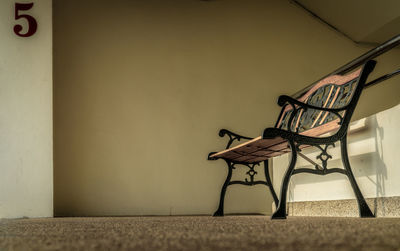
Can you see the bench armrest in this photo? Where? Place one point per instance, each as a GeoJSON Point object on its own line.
{"type": "Point", "coordinates": [232, 136]}
{"type": "Point", "coordinates": [284, 99]}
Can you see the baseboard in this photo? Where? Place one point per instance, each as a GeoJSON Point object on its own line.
{"type": "Point", "coordinates": [381, 207]}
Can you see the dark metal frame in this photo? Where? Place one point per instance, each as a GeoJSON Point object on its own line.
{"type": "Point", "coordinates": [251, 173]}
{"type": "Point", "coordinates": [341, 135]}
{"type": "Point", "coordinates": [295, 140]}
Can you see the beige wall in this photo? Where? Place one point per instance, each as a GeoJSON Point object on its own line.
{"type": "Point", "coordinates": [142, 87]}
{"type": "Point", "coordinates": [26, 136]}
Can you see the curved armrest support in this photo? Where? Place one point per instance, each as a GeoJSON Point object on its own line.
{"type": "Point", "coordinates": [232, 136]}
{"type": "Point", "coordinates": [283, 99]}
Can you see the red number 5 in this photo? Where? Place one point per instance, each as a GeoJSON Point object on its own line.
{"type": "Point", "coordinates": [32, 24]}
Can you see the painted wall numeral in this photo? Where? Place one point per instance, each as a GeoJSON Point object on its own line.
{"type": "Point", "coordinates": [32, 24]}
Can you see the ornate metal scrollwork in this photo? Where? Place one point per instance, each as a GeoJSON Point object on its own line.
{"type": "Point", "coordinates": [232, 136]}
{"type": "Point", "coordinates": [324, 156]}
{"type": "Point", "coordinates": [251, 172]}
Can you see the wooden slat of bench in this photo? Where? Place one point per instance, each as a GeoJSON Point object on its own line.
{"type": "Point", "coordinates": [266, 154]}
{"type": "Point", "coordinates": [259, 149]}
{"type": "Point", "coordinates": [249, 146]}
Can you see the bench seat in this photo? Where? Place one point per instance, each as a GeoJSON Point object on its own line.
{"type": "Point", "coordinates": [259, 149]}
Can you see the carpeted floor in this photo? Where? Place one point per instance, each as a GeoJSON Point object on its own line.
{"type": "Point", "coordinates": [200, 233]}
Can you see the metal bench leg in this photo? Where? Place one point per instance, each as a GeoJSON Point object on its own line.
{"type": "Point", "coordinates": [220, 210]}
{"type": "Point", "coordinates": [269, 182]}
{"type": "Point", "coordinates": [365, 211]}
{"type": "Point", "coordinates": [280, 213]}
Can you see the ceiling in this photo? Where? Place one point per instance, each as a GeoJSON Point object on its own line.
{"type": "Point", "coordinates": [363, 21]}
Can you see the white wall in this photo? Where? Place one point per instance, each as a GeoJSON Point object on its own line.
{"type": "Point", "coordinates": [373, 147]}
{"type": "Point", "coordinates": [26, 162]}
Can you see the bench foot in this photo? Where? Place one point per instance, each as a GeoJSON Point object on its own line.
{"type": "Point", "coordinates": [279, 215]}
{"type": "Point", "coordinates": [367, 214]}
{"type": "Point", "coordinates": [219, 212]}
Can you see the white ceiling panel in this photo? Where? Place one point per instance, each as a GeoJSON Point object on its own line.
{"type": "Point", "coordinates": [369, 21]}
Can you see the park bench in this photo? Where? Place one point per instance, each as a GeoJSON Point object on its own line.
{"type": "Point", "coordinates": [319, 117]}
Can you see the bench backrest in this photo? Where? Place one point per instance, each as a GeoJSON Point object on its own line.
{"type": "Point", "coordinates": [336, 91]}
